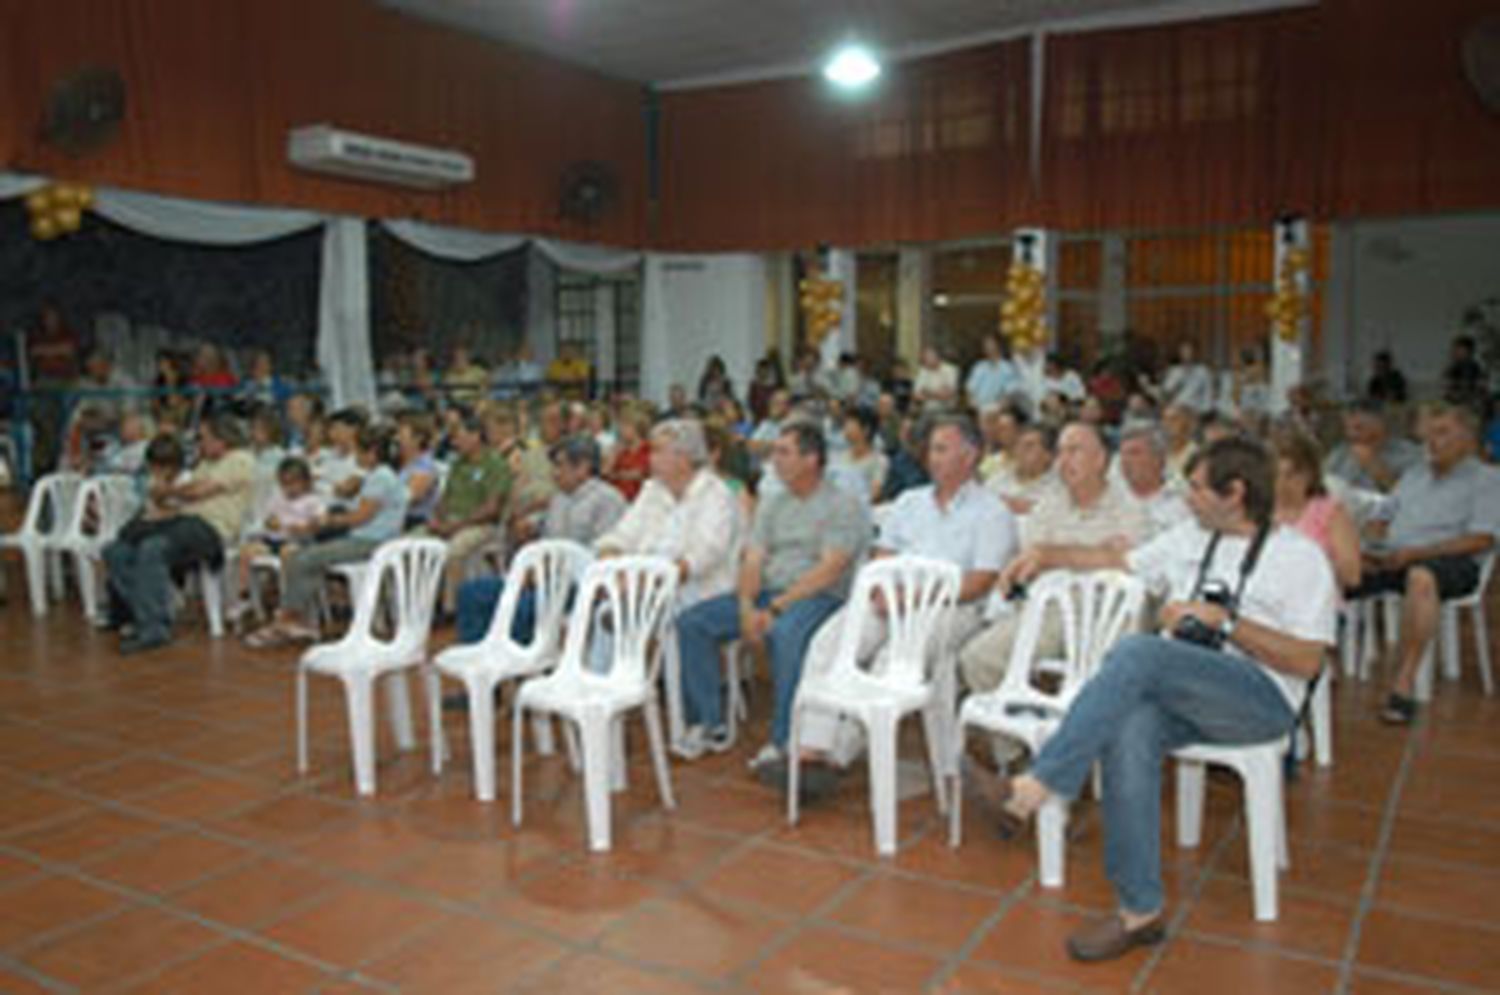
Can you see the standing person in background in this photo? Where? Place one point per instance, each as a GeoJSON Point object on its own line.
{"type": "Point", "coordinates": [935, 388]}
{"type": "Point", "coordinates": [861, 455]}
{"type": "Point", "coordinates": [714, 385]}
{"type": "Point", "coordinates": [52, 347]}
{"type": "Point", "coordinates": [993, 377]}
{"type": "Point", "coordinates": [262, 385]}
{"type": "Point", "coordinates": [1387, 384]}
{"type": "Point", "coordinates": [569, 373]}
{"type": "Point", "coordinates": [767, 381]}
{"type": "Point", "coordinates": [464, 380]}
{"type": "Point", "coordinates": [173, 402]}
{"type": "Point", "coordinates": [1464, 380]}
{"type": "Point", "coordinates": [1062, 380]}
{"type": "Point", "coordinates": [211, 371]}
{"type": "Point", "coordinates": [1188, 382]}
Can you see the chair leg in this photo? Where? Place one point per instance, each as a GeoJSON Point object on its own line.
{"type": "Point", "coordinates": [619, 776]}
{"type": "Point", "coordinates": [881, 729]}
{"type": "Point", "coordinates": [542, 736]}
{"type": "Point", "coordinates": [1322, 721]}
{"type": "Point", "coordinates": [956, 794]}
{"type": "Point", "coordinates": [672, 678]}
{"type": "Point", "coordinates": [517, 748]}
{"type": "Point", "coordinates": [1051, 842]}
{"type": "Point", "coordinates": [597, 736]}
{"type": "Point", "coordinates": [1448, 627]}
{"type": "Point", "coordinates": [794, 765]}
{"type": "Point", "coordinates": [301, 721]}
{"type": "Point", "coordinates": [1482, 649]}
{"type": "Point", "coordinates": [437, 740]}
{"type": "Point", "coordinates": [359, 693]}
{"type": "Point", "coordinates": [482, 738]}
{"type": "Point", "coordinates": [659, 753]}
{"type": "Point", "coordinates": [398, 703]}
{"type": "Point", "coordinates": [88, 585]}
{"type": "Point", "coordinates": [935, 731]}
{"type": "Point", "coordinates": [36, 578]}
{"type": "Point", "coordinates": [1190, 776]}
{"type": "Point", "coordinates": [211, 584]}
{"type": "Point", "coordinates": [55, 586]}
{"type": "Point", "coordinates": [1262, 787]}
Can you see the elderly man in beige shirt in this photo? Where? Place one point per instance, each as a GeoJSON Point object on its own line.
{"type": "Point", "coordinates": [1086, 511]}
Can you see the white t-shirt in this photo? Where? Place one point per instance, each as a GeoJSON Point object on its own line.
{"type": "Point", "coordinates": [1291, 589]}
{"type": "Point", "coordinates": [1190, 386]}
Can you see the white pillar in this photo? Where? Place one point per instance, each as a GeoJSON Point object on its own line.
{"type": "Point", "coordinates": [1287, 357]}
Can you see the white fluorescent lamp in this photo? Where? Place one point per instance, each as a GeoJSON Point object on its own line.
{"type": "Point", "coordinates": [852, 67]}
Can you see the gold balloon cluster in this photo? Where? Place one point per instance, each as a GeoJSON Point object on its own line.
{"type": "Point", "coordinates": [58, 209]}
{"type": "Point", "coordinates": [1289, 305]}
{"type": "Point", "coordinates": [1023, 315]}
{"type": "Point", "coordinates": [822, 302]}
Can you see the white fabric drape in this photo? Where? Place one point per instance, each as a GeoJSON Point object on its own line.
{"type": "Point", "coordinates": [457, 244]}
{"type": "Point", "coordinates": [588, 258]}
{"type": "Point", "coordinates": [197, 221]}
{"type": "Point", "coordinates": [697, 306]}
{"type": "Point", "coordinates": [18, 185]}
{"type": "Point", "coordinates": [344, 349]}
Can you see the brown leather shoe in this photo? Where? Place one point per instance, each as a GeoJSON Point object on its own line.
{"type": "Point", "coordinates": [993, 793]}
{"type": "Point", "coordinates": [1107, 938]}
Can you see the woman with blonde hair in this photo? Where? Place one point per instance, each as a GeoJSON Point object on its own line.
{"type": "Point", "coordinates": [1303, 502]}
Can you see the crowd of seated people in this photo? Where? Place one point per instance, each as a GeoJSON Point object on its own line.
{"type": "Point", "coordinates": [768, 508]}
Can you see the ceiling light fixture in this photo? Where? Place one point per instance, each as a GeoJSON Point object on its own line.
{"type": "Point", "coordinates": [852, 67]}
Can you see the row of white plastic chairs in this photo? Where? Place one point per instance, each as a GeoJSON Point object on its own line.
{"type": "Point", "coordinates": [637, 593]}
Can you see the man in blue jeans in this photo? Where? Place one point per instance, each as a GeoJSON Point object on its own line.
{"type": "Point", "coordinates": [1250, 611]}
{"type": "Point", "coordinates": [795, 573]}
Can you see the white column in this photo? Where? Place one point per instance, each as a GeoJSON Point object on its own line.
{"type": "Point", "coordinates": [913, 301]}
{"type": "Point", "coordinates": [1287, 357]}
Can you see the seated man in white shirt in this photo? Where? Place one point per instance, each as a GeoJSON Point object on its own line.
{"type": "Point", "coordinates": [1251, 613]}
{"type": "Point", "coordinates": [953, 518]}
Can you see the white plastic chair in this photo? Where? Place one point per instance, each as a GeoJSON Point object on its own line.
{"type": "Point", "coordinates": [100, 509]}
{"type": "Point", "coordinates": [917, 594]}
{"type": "Point", "coordinates": [1448, 629]}
{"type": "Point", "coordinates": [635, 594]}
{"type": "Point", "coordinates": [1096, 609]}
{"type": "Point", "coordinates": [48, 512]}
{"type": "Point", "coordinates": [412, 568]}
{"type": "Point", "coordinates": [1260, 769]}
{"type": "Point", "coordinates": [550, 568]}
{"type": "Point", "coordinates": [1447, 634]}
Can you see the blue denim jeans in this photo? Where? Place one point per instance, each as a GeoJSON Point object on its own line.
{"type": "Point", "coordinates": [477, 601]}
{"type": "Point", "coordinates": [1151, 696]}
{"type": "Point", "coordinates": [708, 625]}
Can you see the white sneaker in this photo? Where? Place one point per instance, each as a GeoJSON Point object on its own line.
{"type": "Point", "coordinates": [698, 740]}
{"type": "Point", "coordinates": [769, 754]}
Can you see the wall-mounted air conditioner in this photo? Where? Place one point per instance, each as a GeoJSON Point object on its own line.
{"type": "Point", "coordinates": [323, 148]}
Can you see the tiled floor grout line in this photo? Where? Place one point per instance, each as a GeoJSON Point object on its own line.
{"type": "Point", "coordinates": [959, 957]}
{"type": "Point", "coordinates": [1185, 905]}
{"type": "Point", "coordinates": [36, 977]}
{"type": "Point", "coordinates": [1377, 861]}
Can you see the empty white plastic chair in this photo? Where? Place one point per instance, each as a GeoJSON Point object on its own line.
{"type": "Point", "coordinates": [634, 596]}
{"type": "Point", "coordinates": [407, 573]}
{"type": "Point", "coordinates": [550, 569]}
{"type": "Point", "coordinates": [100, 509]}
{"type": "Point", "coordinates": [1095, 609]}
{"type": "Point", "coordinates": [1260, 769]}
{"type": "Point", "coordinates": [48, 511]}
{"type": "Point", "coordinates": [916, 594]}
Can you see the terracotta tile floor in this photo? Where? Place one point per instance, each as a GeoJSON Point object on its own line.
{"type": "Point", "coordinates": [155, 838]}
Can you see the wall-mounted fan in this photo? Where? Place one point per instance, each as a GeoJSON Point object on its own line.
{"type": "Point", "coordinates": [84, 110]}
{"type": "Point", "coordinates": [587, 192]}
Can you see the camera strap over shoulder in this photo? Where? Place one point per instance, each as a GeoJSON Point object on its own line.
{"type": "Point", "coordinates": [1247, 565]}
